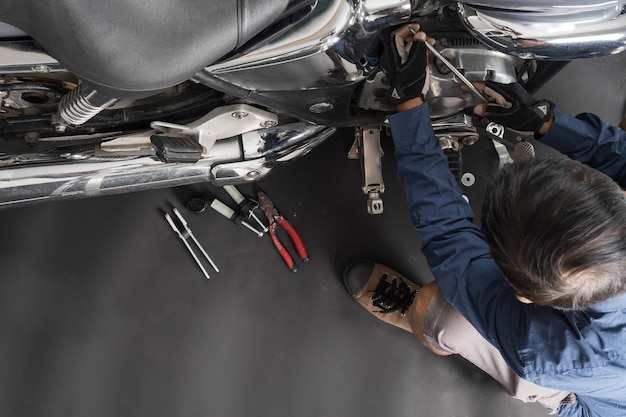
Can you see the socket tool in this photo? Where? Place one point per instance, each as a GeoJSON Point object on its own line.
{"type": "Point", "coordinates": [185, 233]}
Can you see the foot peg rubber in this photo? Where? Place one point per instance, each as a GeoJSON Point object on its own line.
{"type": "Point", "coordinates": [176, 149]}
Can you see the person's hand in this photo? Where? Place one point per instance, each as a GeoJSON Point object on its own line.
{"type": "Point", "coordinates": [511, 106]}
{"type": "Point", "coordinates": [404, 61]}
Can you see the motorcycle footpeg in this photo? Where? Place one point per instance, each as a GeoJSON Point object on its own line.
{"type": "Point", "coordinates": [176, 149]}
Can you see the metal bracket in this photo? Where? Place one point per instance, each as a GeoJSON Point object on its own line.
{"type": "Point", "coordinates": [220, 123]}
{"type": "Point", "coordinates": [367, 149]}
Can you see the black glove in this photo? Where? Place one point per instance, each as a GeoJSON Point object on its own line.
{"type": "Point", "coordinates": [513, 107]}
{"type": "Point", "coordinates": [406, 79]}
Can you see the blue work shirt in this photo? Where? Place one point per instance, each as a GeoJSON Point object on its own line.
{"type": "Point", "coordinates": [581, 352]}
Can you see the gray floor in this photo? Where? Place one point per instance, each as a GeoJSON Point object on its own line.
{"type": "Point", "coordinates": [103, 312]}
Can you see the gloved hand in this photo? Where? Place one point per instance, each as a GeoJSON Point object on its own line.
{"type": "Point", "coordinates": [513, 107]}
{"type": "Point", "coordinates": [405, 65]}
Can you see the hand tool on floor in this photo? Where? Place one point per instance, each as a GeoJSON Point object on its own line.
{"type": "Point", "coordinates": [246, 205]}
{"type": "Point", "coordinates": [277, 219]}
{"type": "Point", "coordinates": [245, 210]}
{"type": "Point", "coordinates": [184, 234]}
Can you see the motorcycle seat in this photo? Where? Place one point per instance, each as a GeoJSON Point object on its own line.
{"type": "Point", "coordinates": [135, 48]}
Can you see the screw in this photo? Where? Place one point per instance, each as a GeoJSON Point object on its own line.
{"type": "Point", "coordinates": [31, 138]}
{"type": "Point", "coordinates": [252, 175]}
{"type": "Point", "coordinates": [40, 68]}
{"type": "Point", "coordinates": [239, 114]}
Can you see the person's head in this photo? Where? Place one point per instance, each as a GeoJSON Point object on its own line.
{"type": "Point", "coordinates": [557, 231]}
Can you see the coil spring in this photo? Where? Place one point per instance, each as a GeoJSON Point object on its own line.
{"type": "Point", "coordinates": [81, 104]}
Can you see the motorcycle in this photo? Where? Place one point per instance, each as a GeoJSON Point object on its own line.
{"type": "Point", "coordinates": [120, 96]}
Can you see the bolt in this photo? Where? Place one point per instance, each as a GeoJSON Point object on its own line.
{"type": "Point", "coordinates": [239, 114]}
{"type": "Point", "coordinates": [40, 68]}
{"type": "Point", "coordinates": [322, 107]}
{"type": "Point", "coordinates": [251, 175]}
{"type": "Point", "coordinates": [269, 123]}
{"type": "Point", "coordinates": [31, 138]}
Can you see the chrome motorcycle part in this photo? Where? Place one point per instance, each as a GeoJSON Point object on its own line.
{"type": "Point", "coordinates": [451, 148]}
{"type": "Point", "coordinates": [481, 64]}
{"type": "Point", "coordinates": [270, 149]}
{"type": "Point", "coordinates": [455, 131]}
{"type": "Point", "coordinates": [446, 97]}
{"type": "Point", "coordinates": [226, 164]}
{"type": "Point", "coordinates": [80, 105]}
{"type": "Point", "coordinates": [374, 14]}
{"type": "Point", "coordinates": [557, 32]}
{"type": "Point", "coordinates": [456, 72]}
{"type": "Point", "coordinates": [368, 150]}
{"type": "Point", "coordinates": [504, 157]}
{"type": "Point", "coordinates": [182, 104]}
{"type": "Point", "coordinates": [455, 123]}
{"type": "Point", "coordinates": [321, 60]}
{"type": "Point", "coordinates": [222, 122]}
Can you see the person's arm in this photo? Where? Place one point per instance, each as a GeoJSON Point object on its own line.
{"type": "Point", "coordinates": [457, 254]}
{"type": "Point", "coordinates": [591, 141]}
{"type": "Point", "coordinates": [454, 247]}
{"type": "Point", "coordinates": [584, 138]}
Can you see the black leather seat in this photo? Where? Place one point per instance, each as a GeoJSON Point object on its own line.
{"type": "Point", "coordinates": [134, 48]}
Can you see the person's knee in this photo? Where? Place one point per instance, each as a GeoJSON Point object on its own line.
{"type": "Point", "coordinates": [418, 312]}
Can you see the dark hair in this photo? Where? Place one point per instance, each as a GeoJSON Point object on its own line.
{"type": "Point", "coordinates": [557, 230]}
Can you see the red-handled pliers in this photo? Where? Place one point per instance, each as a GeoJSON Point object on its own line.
{"type": "Point", "coordinates": [276, 218]}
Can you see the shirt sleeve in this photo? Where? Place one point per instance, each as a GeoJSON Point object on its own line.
{"type": "Point", "coordinates": [589, 140]}
{"type": "Point", "coordinates": [455, 249]}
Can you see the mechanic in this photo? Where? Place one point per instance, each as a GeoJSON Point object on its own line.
{"type": "Point", "coordinates": [537, 299]}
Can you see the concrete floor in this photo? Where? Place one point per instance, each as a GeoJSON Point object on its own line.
{"type": "Point", "coordinates": [104, 313]}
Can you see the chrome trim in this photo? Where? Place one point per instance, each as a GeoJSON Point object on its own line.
{"type": "Point", "coordinates": [80, 105]}
{"type": "Point", "coordinates": [225, 164]}
{"type": "Point", "coordinates": [255, 169]}
{"type": "Point", "coordinates": [373, 14]}
{"type": "Point", "coordinates": [555, 33]}
{"type": "Point", "coordinates": [326, 49]}
{"type": "Point", "coordinates": [445, 95]}
{"type": "Point", "coordinates": [315, 35]}
{"type": "Point", "coordinates": [275, 140]}
{"type": "Point", "coordinates": [541, 6]}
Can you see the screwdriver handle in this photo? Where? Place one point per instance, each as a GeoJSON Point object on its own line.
{"type": "Point", "coordinates": [234, 194]}
{"type": "Point", "coordinates": [223, 209]}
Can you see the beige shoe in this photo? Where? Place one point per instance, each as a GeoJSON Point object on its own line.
{"type": "Point", "coordinates": [380, 290]}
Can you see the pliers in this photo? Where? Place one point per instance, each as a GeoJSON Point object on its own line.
{"type": "Point", "coordinates": [275, 218]}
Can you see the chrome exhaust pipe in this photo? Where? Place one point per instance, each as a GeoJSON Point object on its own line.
{"type": "Point", "coordinates": [248, 157]}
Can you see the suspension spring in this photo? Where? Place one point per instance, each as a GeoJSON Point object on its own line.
{"type": "Point", "coordinates": [81, 104]}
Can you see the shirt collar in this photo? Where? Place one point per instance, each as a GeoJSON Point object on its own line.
{"type": "Point", "coordinates": [610, 305]}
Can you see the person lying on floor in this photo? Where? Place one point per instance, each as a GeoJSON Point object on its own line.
{"type": "Point", "coordinates": [537, 298]}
